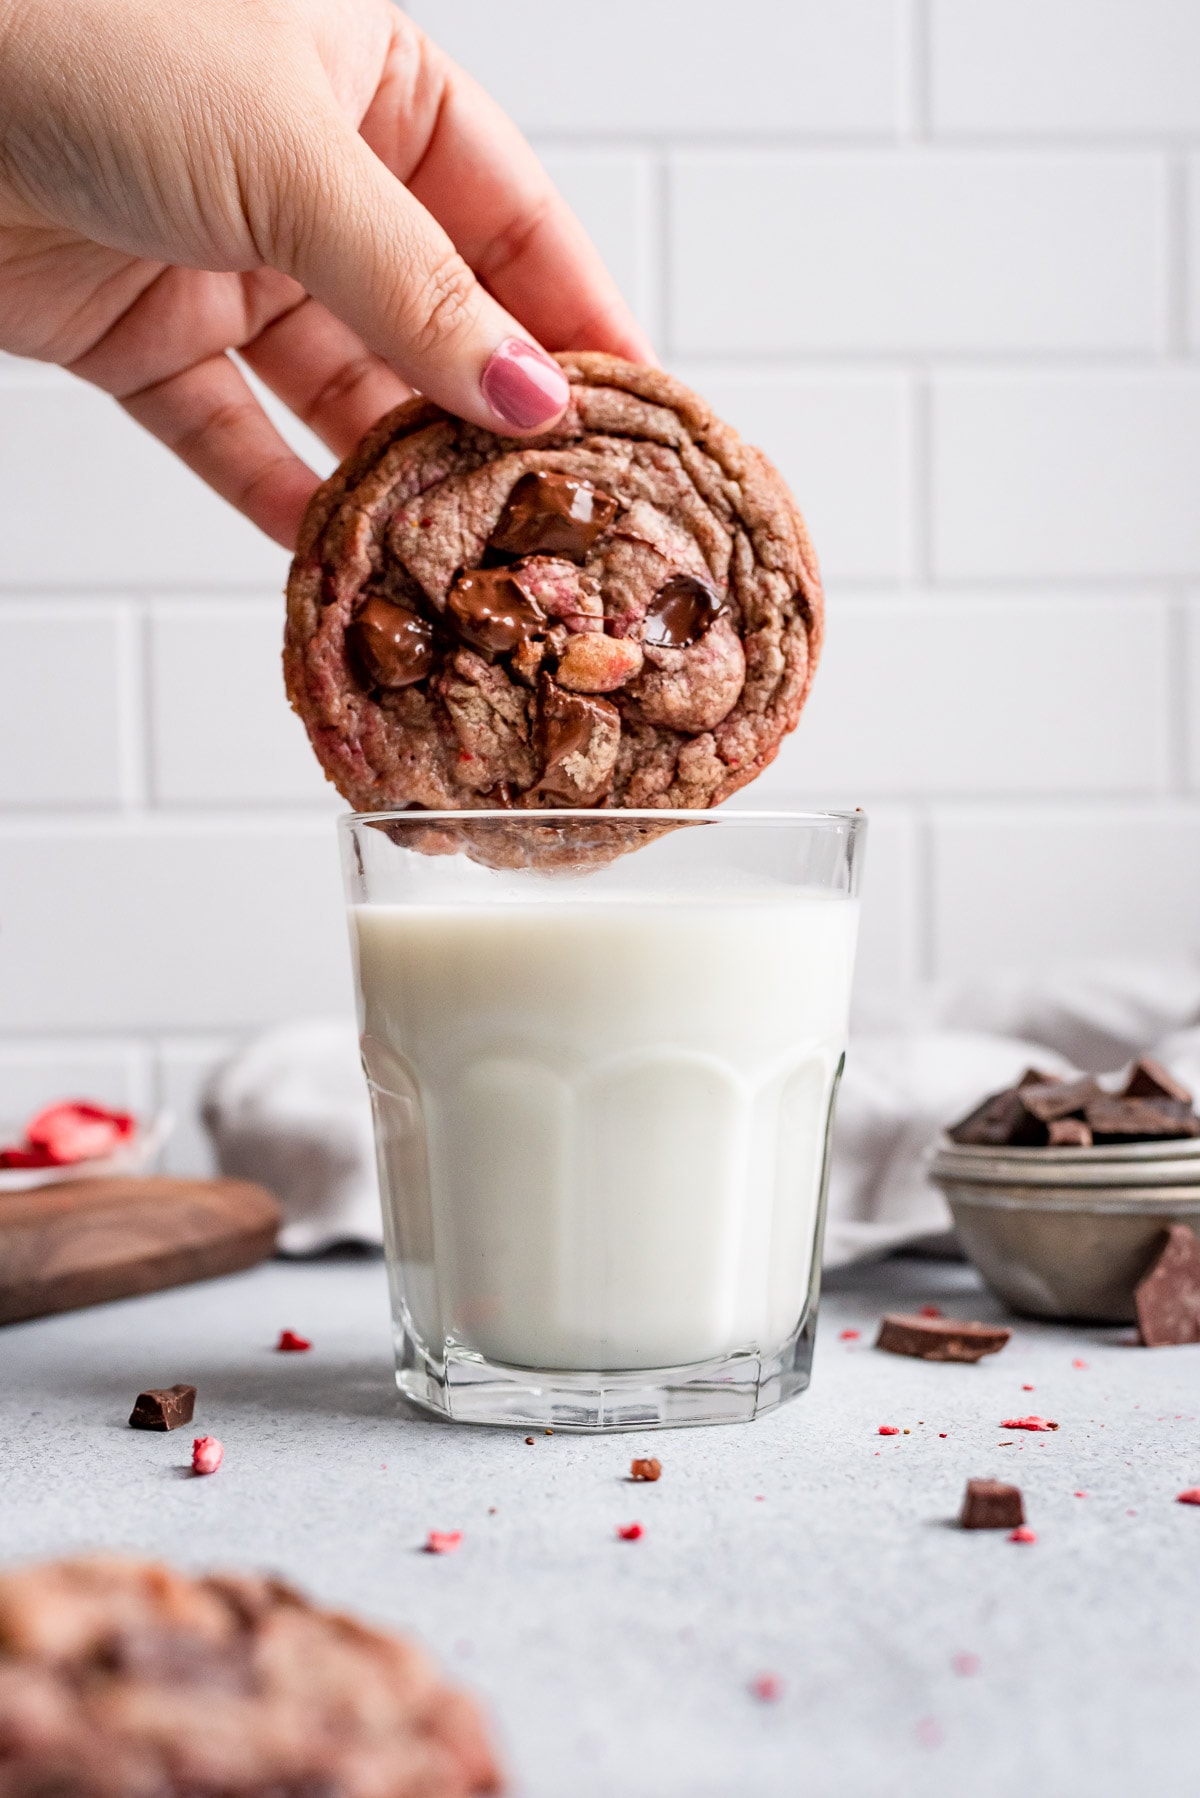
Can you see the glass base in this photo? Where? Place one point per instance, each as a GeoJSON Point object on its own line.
{"type": "Point", "coordinates": [467, 1388]}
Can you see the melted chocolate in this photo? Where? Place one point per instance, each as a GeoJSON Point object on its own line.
{"type": "Point", "coordinates": [492, 612]}
{"type": "Point", "coordinates": [565, 724]}
{"type": "Point", "coordinates": [552, 515]}
{"type": "Point", "coordinates": [680, 613]}
{"type": "Point", "coordinates": [391, 645]}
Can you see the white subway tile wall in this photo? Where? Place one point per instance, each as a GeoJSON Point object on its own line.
{"type": "Point", "coordinates": [941, 258]}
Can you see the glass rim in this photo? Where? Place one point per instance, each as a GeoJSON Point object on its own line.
{"type": "Point", "coordinates": [604, 814]}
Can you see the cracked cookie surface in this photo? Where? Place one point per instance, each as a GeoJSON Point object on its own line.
{"type": "Point", "coordinates": [623, 611]}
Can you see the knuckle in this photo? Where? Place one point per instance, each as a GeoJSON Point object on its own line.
{"type": "Point", "coordinates": [445, 305]}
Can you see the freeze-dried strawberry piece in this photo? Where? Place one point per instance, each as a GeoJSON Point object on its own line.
{"type": "Point", "coordinates": [928, 1311]}
{"type": "Point", "coordinates": [207, 1454]}
{"type": "Point", "coordinates": [443, 1542]}
{"type": "Point", "coordinates": [630, 1532]}
{"type": "Point", "coordinates": [649, 1468]}
{"type": "Point", "coordinates": [79, 1131]}
{"type": "Point", "coordinates": [20, 1156]}
{"type": "Point", "coordinates": [767, 1687]}
{"type": "Point", "coordinates": [291, 1344]}
{"type": "Point", "coordinates": [889, 1429]}
{"type": "Point", "coordinates": [1024, 1534]}
{"type": "Point", "coordinates": [1190, 1497]}
{"type": "Point", "coordinates": [849, 1335]}
{"type": "Point", "coordinates": [1027, 1423]}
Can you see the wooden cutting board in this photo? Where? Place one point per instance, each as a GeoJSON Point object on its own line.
{"type": "Point", "coordinates": [86, 1241]}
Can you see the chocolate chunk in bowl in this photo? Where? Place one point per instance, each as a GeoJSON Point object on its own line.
{"type": "Point", "coordinates": [1066, 1226]}
{"type": "Point", "coordinates": [638, 557]}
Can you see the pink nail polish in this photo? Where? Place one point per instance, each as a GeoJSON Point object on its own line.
{"type": "Point", "coordinates": [523, 386]}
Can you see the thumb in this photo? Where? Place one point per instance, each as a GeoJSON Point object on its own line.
{"type": "Point", "coordinates": [357, 240]}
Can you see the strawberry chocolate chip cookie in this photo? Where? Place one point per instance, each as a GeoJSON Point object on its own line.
{"type": "Point", "coordinates": [624, 611]}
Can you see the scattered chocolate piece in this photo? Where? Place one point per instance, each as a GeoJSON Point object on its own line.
{"type": "Point", "coordinates": [680, 613]}
{"type": "Point", "coordinates": [391, 646]}
{"type": "Point", "coordinates": [991, 1505]}
{"type": "Point", "coordinates": [1070, 1133]}
{"type": "Point", "coordinates": [1148, 1079]}
{"type": "Point", "coordinates": [940, 1338]}
{"type": "Point", "coordinates": [1136, 1120]}
{"type": "Point", "coordinates": [649, 1469]}
{"type": "Point", "coordinates": [552, 515]}
{"type": "Point", "coordinates": [163, 1408]}
{"type": "Point", "coordinates": [1167, 1298]}
{"type": "Point", "coordinates": [492, 612]}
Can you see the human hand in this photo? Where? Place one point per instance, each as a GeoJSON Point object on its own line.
{"type": "Point", "coordinates": [308, 182]}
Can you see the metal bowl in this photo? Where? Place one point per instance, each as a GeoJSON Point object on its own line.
{"type": "Point", "coordinates": [1068, 1233]}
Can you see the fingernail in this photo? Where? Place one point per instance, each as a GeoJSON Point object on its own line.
{"type": "Point", "coordinates": [523, 386]}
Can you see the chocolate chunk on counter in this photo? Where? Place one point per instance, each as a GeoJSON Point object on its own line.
{"type": "Point", "coordinates": [492, 612]}
{"type": "Point", "coordinates": [991, 1505]}
{"type": "Point", "coordinates": [391, 646]}
{"type": "Point", "coordinates": [1136, 1120]}
{"type": "Point", "coordinates": [552, 515]}
{"type": "Point", "coordinates": [1148, 1079]}
{"type": "Point", "coordinates": [680, 613]}
{"type": "Point", "coordinates": [163, 1408]}
{"type": "Point", "coordinates": [1167, 1298]}
{"type": "Point", "coordinates": [940, 1338]}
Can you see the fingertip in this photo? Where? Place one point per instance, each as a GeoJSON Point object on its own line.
{"type": "Point", "coordinates": [524, 387]}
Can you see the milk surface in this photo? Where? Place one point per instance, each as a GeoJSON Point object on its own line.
{"type": "Point", "coordinates": [601, 1127]}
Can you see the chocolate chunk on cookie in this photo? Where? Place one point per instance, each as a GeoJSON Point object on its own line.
{"type": "Point", "coordinates": [624, 611]}
{"type": "Point", "coordinates": [125, 1679]}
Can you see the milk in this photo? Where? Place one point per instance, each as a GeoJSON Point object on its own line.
{"type": "Point", "coordinates": [602, 1127]}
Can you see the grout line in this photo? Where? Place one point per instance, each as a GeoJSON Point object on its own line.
{"type": "Point", "coordinates": [1176, 284]}
{"type": "Point", "coordinates": [925, 896]}
{"type": "Point", "coordinates": [1179, 723]}
{"type": "Point", "coordinates": [665, 271]}
{"type": "Point", "coordinates": [134, 703]}
{"type": "Point", "coordinates": [917, 28]}
{"type": "Point", "coordinates": [920, 480]}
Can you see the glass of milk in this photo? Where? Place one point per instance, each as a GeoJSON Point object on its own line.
{"type": "Point", "coordinates": [603, 1050]}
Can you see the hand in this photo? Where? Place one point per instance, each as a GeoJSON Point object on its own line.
{"type": "Point", "coordinates": [308, 182]}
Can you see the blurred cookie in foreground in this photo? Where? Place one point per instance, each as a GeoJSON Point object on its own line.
{"type": "Point", "coordinates": [1043, 1110]}
{"type": "Point", "coordinates": [126, 1679]}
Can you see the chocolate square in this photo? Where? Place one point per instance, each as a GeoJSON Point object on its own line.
{"type": "Point", "coordinates": [1149, 1079]}
{"type": "Point", "coordinates": [991, 1505]}
{"type": "Point", "coordinates": [163, 1408]}
{"type": "Point", "coordinates": [939, 1338]}
{"type": "Point", "coordinates": [1167, 1298]}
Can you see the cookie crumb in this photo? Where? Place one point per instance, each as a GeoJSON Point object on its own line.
{"type": "Point", "coordinates": [291, 1344]}
{"type": "Point", "coordinates": [648, 1469]}
{"type": "Point", "coordinates": [207, 1454]}
{"type": "Point", "coordinates": [529, 1440]}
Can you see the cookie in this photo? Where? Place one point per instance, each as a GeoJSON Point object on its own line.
{"type": "Point", "coordinates": [624, 611]}
{"type": "Point", "coordinates": [124, 1679]}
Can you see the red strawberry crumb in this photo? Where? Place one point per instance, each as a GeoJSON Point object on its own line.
{"type": "Point", "coordinates": [207, 1454]}
{"type": "Point", "coordinates": [767, 1687]}
{"type": "Point", "coordinates": [929, 1311]}
{"type": "Point", "coordinates": [888, 1429]}
{"type": "Point", "coordinates": [1190, 1497]}
{"type": "Point", "coordinates": [1027, 1423]}
{"type": "Point", "coordinates": [630, 1532]}
{"type": "Point", "coordinates": [1078, 1363]}
{"type": "Point", "coordinates": [1081, 1495]}
{"type": "Point", "coordinates": [849, 1335]}
{"type": "Point", "coordinates": [966, 1664]}
{"type": "Point", "coordinates": [930, 1733]}
{"type": "Point", "coordinates": [1024, 1534]}
{"type": "Point", "coordinates": [425, 523]}
{"type": "Point", "coordinates": [443, 1542]}
{"type": "Point", "coordinates": [291, 1344]}
{"type": "Point", "coordinates": [1027, 1389]}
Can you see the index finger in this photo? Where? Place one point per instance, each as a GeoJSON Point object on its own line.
{"type": "Point", "coordinates": [460, 155]}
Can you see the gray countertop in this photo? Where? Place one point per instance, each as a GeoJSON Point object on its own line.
{"type": "Point", "coordinates": [804, 1545]}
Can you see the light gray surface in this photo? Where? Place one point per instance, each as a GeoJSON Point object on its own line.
{"type": "Point", "coordinates": [623, 1668]}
